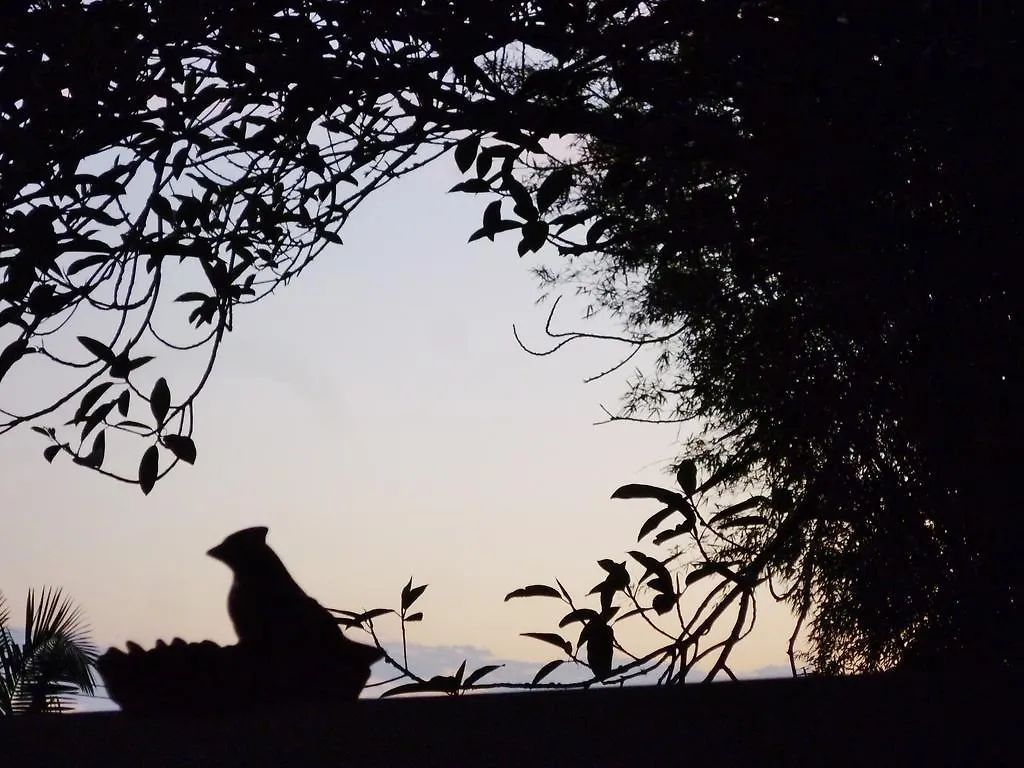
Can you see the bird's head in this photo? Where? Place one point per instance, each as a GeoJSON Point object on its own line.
{"type": "Point", "coordinates": [239, 545]}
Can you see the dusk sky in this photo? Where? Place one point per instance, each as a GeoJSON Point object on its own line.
{"type": "Point", "coordinates": [378, 416]}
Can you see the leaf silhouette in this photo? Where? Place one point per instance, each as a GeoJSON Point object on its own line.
{"type": "Point", "coordinates": [96, 417]}
{"type": "Point", "coordinates": [534, 590]}
{"type": "Point", "coordinates": [95, 457]}
{"type": "Point", "coordinates": [160, 400]}
{"type": "Point", "coordinates": [686, 476]}
{"type": "Point", "coordinates": [98, 349]}
{"type": "Point", "coordinates": [181, 446]}
{"type": "Point", "coordinates": [12, 353]}
{"type": "Point", "coordinates": [465, 152]}
{"type": "Point", "coordinates": [524, 207]}
{"type": "Point", "coordinates": [489, 232]}
{"type": "Point", "coordinates": [475, 186]}
{"type": "Point", "coordinates": [179, 161]}
{"type": "Point", "coordinates": [653, 565]}
{"type": "Point", "coordinates": [662, 583]}
{"type": "Point", "coordinates": [673, 533]}
{"type": "Point", "coordinates": [437, 684]}
{"type": "Point", "coordinates": [549, 637]}
{"type": "Point", "coordinates": [484, 161]}
{"type": "Point", "coordinates": [618, 574]}
{"type": "Point", "coordinates": [89, 400]}
{"type": "Point", "coordinates": [653, 522]}
{"type": "Point", "coordinates": [411, 594]}
{"type": "Point", "coordinates": [143, 428]}
{"type": "Point", "coordinates": [741, 506]}
{"type": "Point", "coordinates": [193, 296]}
{"type": "Point", "coordinates": [149, 469]}
{"type": "Point", "coordinates": [564, 591]}
{"type": "Point", "coordinates": [663, 603]}
{"type": "Point", "coordinates": [580, 614]}
{"type": "Point", "coordinates": [361, 618]}
{"type": "Point", "coordinates": [162, 208]}
{"type": "Point", "coordinates": [641, 491]}
{"type": "Point", "coordinates": [547, 669]}
{"type": "Point", "coordinates": [88, 261]}
{"type": "Point", "coordinates": [553, 187]}
{"type": "Point", "coordinates": [597, 230]}
{"type": "Point", "coordinates": [535, 234]}
{"type": "Point", "coordinates": [122, 366]}
{"type": "Point", "coordinates": [706, 570]}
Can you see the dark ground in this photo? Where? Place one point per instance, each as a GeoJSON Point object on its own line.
{"type": "Point", "coordinates": [830, 722]}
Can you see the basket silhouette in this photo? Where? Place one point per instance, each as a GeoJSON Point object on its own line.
{"type": "Point", "coordinates": [207, 678]}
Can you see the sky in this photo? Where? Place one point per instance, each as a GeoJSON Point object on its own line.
{"type": "Point", "coordinates": [379, 417]}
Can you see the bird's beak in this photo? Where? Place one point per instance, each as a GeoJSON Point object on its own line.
{"type": "Point", "coordinates": [215, 553]}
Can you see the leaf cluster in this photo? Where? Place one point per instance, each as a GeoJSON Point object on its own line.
{"type": "Point", "coordinates": [681, 598]}
{"type": "Point", "coordinates": [805, 212]}
{"type": "Point", "coordinates": [54, 661]}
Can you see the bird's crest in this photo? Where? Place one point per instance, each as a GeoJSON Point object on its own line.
{"type": "Point", "coordinates": [240, 541]}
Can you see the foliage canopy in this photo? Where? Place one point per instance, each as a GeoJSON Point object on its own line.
{"type": "Point", "coordinates": [803, 206]}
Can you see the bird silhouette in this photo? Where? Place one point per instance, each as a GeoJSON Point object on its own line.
{"type": "Point", "coordinates": [272, 615]}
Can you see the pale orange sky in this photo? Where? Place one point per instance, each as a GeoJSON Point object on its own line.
{"type": "Point", "coordinates": [380, 418]}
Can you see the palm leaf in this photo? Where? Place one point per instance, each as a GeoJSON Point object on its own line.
{"type": "Point", "coordinates": [60, 620]}
{"type": "Point", "coordinates": [9, 654]}
{"type": "Point", "coordinates": [54, 661]}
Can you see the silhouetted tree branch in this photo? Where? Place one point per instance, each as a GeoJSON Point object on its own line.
{"type": "Point", "coordinates": [813, 198]}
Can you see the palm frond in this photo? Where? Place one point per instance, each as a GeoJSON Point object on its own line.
{"type": "Point", "coordinates": [10, 662]}
{"type": "Point", "coordinates": [58, 628]}
{"type": "Point", "coordinates": [10, 655]}
{"type": "Point", "coordinates": [54, 661]}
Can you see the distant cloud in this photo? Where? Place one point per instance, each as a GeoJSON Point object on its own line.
{"type": "Point", "coordinates": [429, 660]}
{"type": "Point", "coordinates": [772, 671]}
